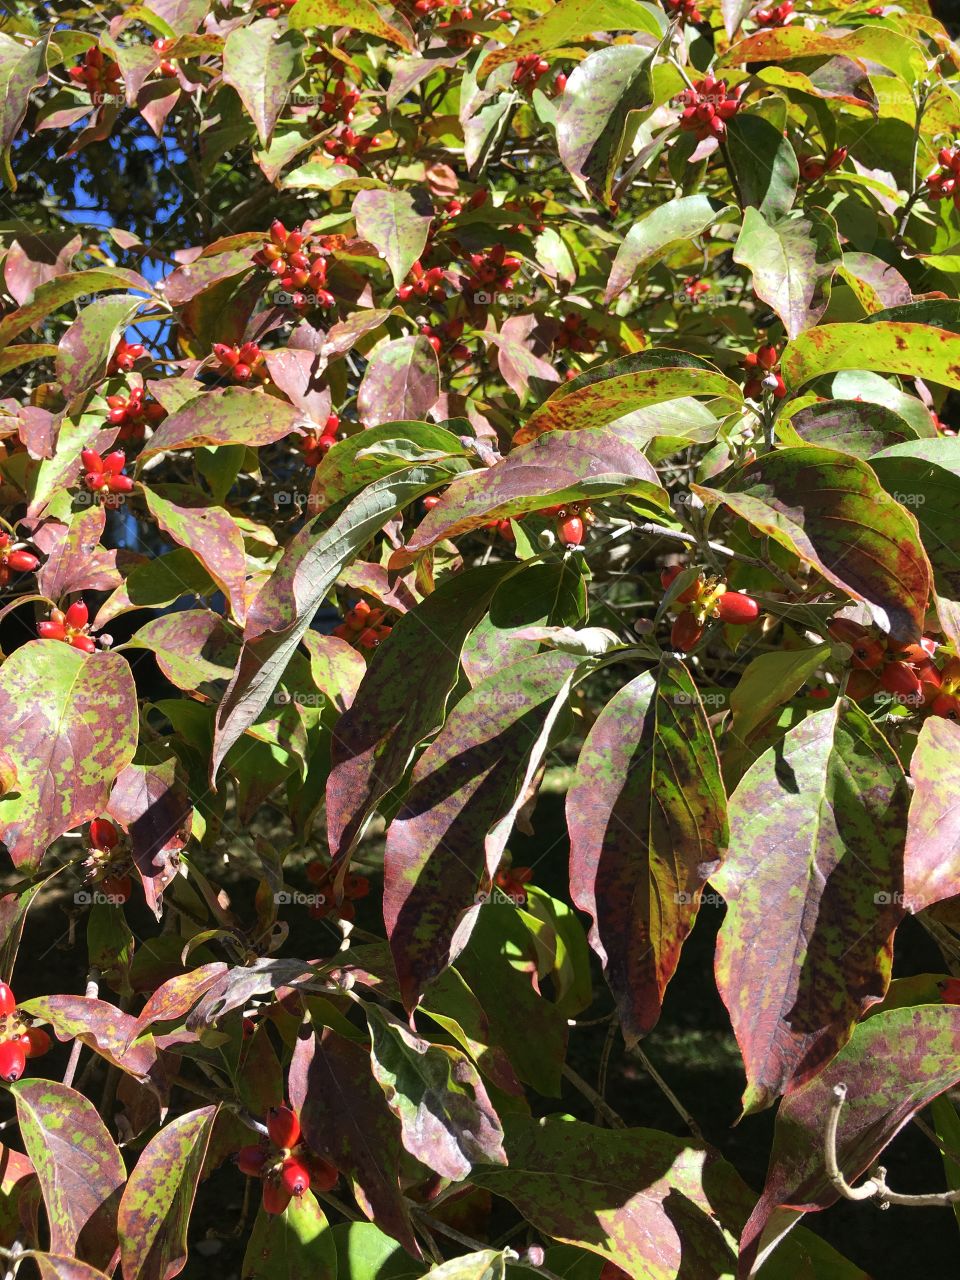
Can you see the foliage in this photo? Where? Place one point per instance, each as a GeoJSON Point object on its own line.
{"type": "Point", "coordinates": [412, 414]}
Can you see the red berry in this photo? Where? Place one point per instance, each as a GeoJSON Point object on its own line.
{"type": "Point", "coordinates": [294, 1177]}
{"type": "Point", "coordinates": [250, 1160]}
{"type": "Point", "coordinates": [13, 1060]}
{"type": "Point", "coordinates": [103, 834]}
{"type": "Point", "coordinates": [118, 887]}
{"type": "Point", "coordinates": [737, 608]}
{"type": "Point", "coordinates": [900, 678]}
{"type": "Point", "coordinates": [22, 561]}
{"type": "Point", "coordinates": [283, 1126]}
{"type": "Point", "coordinates": [570, 531]}
{"type": "Point", "coordinates": [76, 615]}
{"type": "Point", "coordinates": [947, 707]}
{"type": "Point", "coordinates": [275, 1197]}
{"type": "Point", "coordinates": [36, 1042]}
{"type": "Point", "coordinates": [8, 1001]}
{"type": "Point", "coordinates": [685, 632]}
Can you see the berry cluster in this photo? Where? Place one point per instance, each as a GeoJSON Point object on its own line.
{"type": "Point", "coordinates": [287, 255]}
{"type": "Point", "coordinates": [105, 474]}
{"type": "Point", "coordinates": [70, 627]}
{"type": "Point", "coordinates": [14, 559]}
{"type": "Point", "coordinates": [106, 865]}
{"type": "Point", "coordinates": [906, 672]}
{"type": "Point", "coordinates": [530, 69]}
{"type": "Point", "coordinates": [684, 11]}
{"type": "Point", "coordinates": [423, 284]}
{"type": "Point", "coordinates": [492, 272]}
{"type": "Point", "coordinates": [576, 335]}
{"type": "Point", "coordinates": [18, 1039]}
{"type": "Point", "coordinates": [695, 288]}
{"type": "Point", "coordinates": [763, 368]}
{"type": "Point", "coordinates": [707, 106]}
{"type": "Point", "coordinates": [572, 520]}
{"type": "Point", "coordinates": [163, 46]}
{"type": "Point", "coordinates": [286, 1168]}
{"type": "Point", "coordinates": [448, 331]}
{"type": "Point", "coordinates": [132, 412]}
{"type": "Point", "coordinates": [99, 75]}
{"type": "Point", "coordinates": [339, 102]}
{"type": "Point", "coordinates": [944, 183]}
{"type": "Point", "coordinates": [779, 16]}
{"type": "Point", "coordinates": [705, 598]}
{"type": "Point", "coordinates": [349, 147]}
{"type": "Point", "coordinates": [812, 168]}
{"type": "Point", "coordinates": [241, 363]}
{"type": "Point", "coordinates": [362, 626]}
{"type": "Point", "coordinates": [323, 876]}
{"type": "Point", "coordinates": [126, 356]}
{"type": "Point", "coordinates": [317, 444]}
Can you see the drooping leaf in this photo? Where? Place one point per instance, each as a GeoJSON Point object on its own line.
{"type": "Point", "coordinates": [764, 164]}
{"type": "Point", "coordinates": [22, 69]}
{"type": "Point", "coordinates": [924, 477]}
{"type": "Point", "coordinates": [70, 727]}
{"type": "Point", "coordinates": [232, 415]}
{"type": "Point", "coordinates": [75, 558]}
{"type": "Point", "coordinates": [793, 260]}
{"type": "Point", "coordinates": [213, 536]}
{"type": "Point", "coordinates": [447, 1120]}
{"type": "Point", "coordinates": [647, 820]}
{"type": "Point", "coordinates": [345, 1119]}
{"type": "Point", "coordinates": [401, 700]}
{"type": "Point", "coordinates": [893, 1065]}
{"type": "Point", "coordinates": [401, 381]}
{"type": "Point", "coordinates": [86, 347]}
{"type": "Point", "coordinates": [262, 61]}
{"type": "Point", "coordinates": [635, 1196]}
{"type": "Point", "coordinates": [152, 805]}
{"type": "Point", "coordinates": [829, 509]}
{"type": "Point", "coordinates": [285, 606]}
{"type": "Point", "coordinates": [395, 225]}
{"type": "Point", "coordinates": [291, 1245]}
{"type": "Point", "coordinates": [54, 294]}
{"type": "Point", "coordinates": [814, 882]}
{"type": "Point", "coordinates": [158, 1198]}
{"type": "Point", "coordinates": [459, 812]}
{"type": "Point", "coordinates": [931, 858]}
{"type": "Point", "coordinates": [58, 1267]}
{"type": "Point", "coordinates": [78, 1165]}
{"type": "Point", "coordinates": [654, 235]}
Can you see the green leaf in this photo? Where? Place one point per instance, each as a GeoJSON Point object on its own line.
{"type": "Point", "coordinates": [654, 235]}
{"type": "Point", "coordinates": [291, 1245]}
{"type": "Point", "coordinates": [601, 395]}
{"type": "Point", "coordinates": [793, 260]}
{"type": "Point", "coordinates": [213, 536]}
{"type": "Point", "coordinates": [924, 477]}
{"type": "Point", "coordinates": [647, 820]}
{"type": "Point", "coordinates": [769, 681]}
{"type": "Point", "coordinates": [931, 856]}
{"type": "Point", "coordinates": [396, 223]}
{"type": "Point", "coordinates": [262, 61]}
{"type": "Point", "coordinates": [813, 880]}
{"type": "Point", "coordinates": [356, 15]}
{"type": "Point", "coordinates": [570, 20]}
{"type": "Point", "coordinates": [485, 1264]}
{"type": "Point", "coordinates": [380, 451]}
{"type": "Point", "coordinates": [853, 426]}
{"type": "Point", "coordinates": [447, 1120]}
{"type": "Point", "coordinates": [57, 1267]}
{"type": "Point", "coordinates": [78, 1164]}
{"type": "Point", "coordinates": [71, 726]}
{"type": "Point", "coordinates": [857, 539]}
{"type": "Point", "coordinates": [764, 164]}
{"type": "Point", "coordinates": [158, 1198]}
{"type": "Point", "coordinates": [364, 1252]}
{"type": "Point", "coordinates": [913, 350]}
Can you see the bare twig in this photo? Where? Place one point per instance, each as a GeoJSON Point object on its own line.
{"type": "Point", "coordinates": [875, 1187]}
{"type": "Point", "coordinates": [91, 993]}
{"type": "Point", "coordinates": [668, 1093]}
{"type": "Point", "coordinates": [591, 1094]}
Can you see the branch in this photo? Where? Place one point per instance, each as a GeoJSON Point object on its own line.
{"type": "Point", "coordinates": [875, 1187]}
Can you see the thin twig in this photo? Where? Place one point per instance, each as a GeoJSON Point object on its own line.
{"type": "Point", "coordinates": [91, 993]}
{"type": "Point", "coordinates": [590, 1093]}
{"type": "Point", "coordinates": [668, 1093]}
